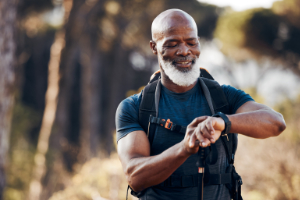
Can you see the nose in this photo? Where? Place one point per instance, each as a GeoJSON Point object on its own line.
{"type": "Point", "coordinates": [183, 50]}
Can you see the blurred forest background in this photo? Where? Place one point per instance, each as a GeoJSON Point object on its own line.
{"type": "Point", "coordinates": [66, 65]}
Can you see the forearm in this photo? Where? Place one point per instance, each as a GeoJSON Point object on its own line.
{"type": "Point", "coordinates": [143, 172]}
{"type": "Point", "coordinates": [262, 123]}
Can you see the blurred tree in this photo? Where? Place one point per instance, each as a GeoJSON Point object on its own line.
{"type": "Point", "coordinates": [259, 33]}
{"type": "Point", "coordinates": [8, 10]}
{"type": "Point", "coordinates": [106, 54]}
{"type": "Point", "coordinates": [289, 9]}
{"type": "Point", "coordinates": [26, 7]}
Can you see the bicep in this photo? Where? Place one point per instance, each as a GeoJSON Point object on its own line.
{"type": "Point", "coordinates": [133, 145]}
{"type": "Point", "coordinates": [251, 106]}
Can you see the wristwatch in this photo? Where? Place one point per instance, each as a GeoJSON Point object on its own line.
{"type": "Point", "coordinates": [226, 120]}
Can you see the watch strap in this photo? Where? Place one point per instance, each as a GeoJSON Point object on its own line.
{"type": "Point", "coordinates": [226, 120]}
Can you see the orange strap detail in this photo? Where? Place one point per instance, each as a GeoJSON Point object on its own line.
{"type": "Point", "coordinates": [168, 124]}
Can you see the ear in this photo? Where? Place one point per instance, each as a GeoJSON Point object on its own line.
{"type": "Point", "coordinates": [153, 47]}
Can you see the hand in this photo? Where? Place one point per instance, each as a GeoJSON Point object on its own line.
{"type": "Point", "coordinates": [202, 131]}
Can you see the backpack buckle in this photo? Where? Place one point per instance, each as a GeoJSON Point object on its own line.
{"type": "Point", "coordinates": [168, 124]}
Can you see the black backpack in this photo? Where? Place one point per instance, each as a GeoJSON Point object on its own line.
{"type": "Point", "coordinates": [218, 103]}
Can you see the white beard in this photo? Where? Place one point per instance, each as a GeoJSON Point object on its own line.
{"type": "Point", "coordinates": [181, 78]}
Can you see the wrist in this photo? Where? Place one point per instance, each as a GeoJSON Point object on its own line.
{"type": "Point", "coordinates": [184, 151]}
{"type": "Point", "coordinates": [226, 120]}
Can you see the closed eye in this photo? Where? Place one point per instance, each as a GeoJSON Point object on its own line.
{"type": "Point", "coordinates": [193, 43]}
{"type": "Point", "coordinates": [174, 45]}
{"type": "Point", "coordinates": [171, 44]}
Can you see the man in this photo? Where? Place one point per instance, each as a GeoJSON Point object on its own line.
{"type": "Point", "coordinates": [176, 44]}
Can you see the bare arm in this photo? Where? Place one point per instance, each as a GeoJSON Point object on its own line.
{"type": "Point", "coordinates": [256, 120]}
{"type": "Point", "coordinates": [143, 170]}
{"type": "Point", "coordinates": [251, 119]}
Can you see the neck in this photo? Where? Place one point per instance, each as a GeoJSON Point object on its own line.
{"type": "Point", "coordinates": [174, 87]}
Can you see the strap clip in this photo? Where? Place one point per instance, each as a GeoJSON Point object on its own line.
{"type": "Point", "coordinates": [168, 124]}
{"type": "Point", "coordinates": [162, 121]}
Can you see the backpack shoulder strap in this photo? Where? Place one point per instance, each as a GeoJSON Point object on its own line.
{"type": "Point", "coordinates": [221, 104]}
{"type": "Point", "coordinates": [230, 141]}
{"type": "Point", "coordinates": [217, 94]}
{"type": "Point", "coordinates": [149, 106]}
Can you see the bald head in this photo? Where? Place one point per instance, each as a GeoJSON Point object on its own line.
{"type": "Point", "coordinates": [171, 19]}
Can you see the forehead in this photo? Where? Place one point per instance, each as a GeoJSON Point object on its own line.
{"type": "Point", "coordinates": [183, 31]}
{"type": "Point", "coordinates": [173, 24]}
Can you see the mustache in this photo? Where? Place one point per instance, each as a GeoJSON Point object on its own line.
{"type": "Point", "coordinates": [182, 59]}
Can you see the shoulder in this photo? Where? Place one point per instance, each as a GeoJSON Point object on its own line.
{"type": "Point", "coordinates": [127, 115]}
{"type": "Point", "coordinates": [229, 89]}
{"type": "Point", "coordinates": [232, 91]}
{"type": "Point", "coordinates": [132, 102]}
{"type": "Point", "coordinates": [235, 97]}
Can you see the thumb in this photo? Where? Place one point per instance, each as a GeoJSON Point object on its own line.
{"type": "Point", "coordinates": [198, 120]}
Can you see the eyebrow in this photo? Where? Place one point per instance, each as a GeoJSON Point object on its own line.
{"type": "Point", "coordinates": [175, 40]}
{"type": "Point", "coordinates": [191, 39]}
{"type": "Point", "coordinates": [171, 40]}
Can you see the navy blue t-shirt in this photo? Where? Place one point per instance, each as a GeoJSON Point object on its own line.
{"type": "Point", "coordinates": [180, 108]}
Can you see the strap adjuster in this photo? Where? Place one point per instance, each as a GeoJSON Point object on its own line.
{"type": "Point", "coordinates": [168, 124]}
{"type": "Point", "coordinates": [161, 122]}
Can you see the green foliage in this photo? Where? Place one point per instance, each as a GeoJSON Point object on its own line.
{"type": "Point", "coordinates": [118, 28]}
{"type": "Point", "coordinates": [257, 33]}
{"type": "Point", "coordinates": [247, 34]}
{"type": "Point", "coordinates": [289, 9]}
{"type": "Point", "coordinates": [231, 29]}
{"type": "Point", "coordinates": [262, 30]}
{"type": "Point", "coordinates": [129, 22]}
{"type": "Point", "coordinates": [21, 151]}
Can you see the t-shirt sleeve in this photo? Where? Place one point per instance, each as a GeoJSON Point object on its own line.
{"type": "Point", "coordinates": [235, 97]}
{"type": "Point", "coordinates": [127, 116]}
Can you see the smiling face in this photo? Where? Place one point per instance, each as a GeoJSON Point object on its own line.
{"type": "Point", "coordinates": [176, 44]}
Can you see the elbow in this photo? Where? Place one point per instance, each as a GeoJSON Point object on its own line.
{"type": "Point", "coordinates": [280, 125]}
{"type": "Point", "coordinates": [135, 187]}
{"type": "Point", "coordinates": [133, 180]}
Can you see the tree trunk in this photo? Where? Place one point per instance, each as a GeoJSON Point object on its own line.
{"type": "Point", "coordinates": [48, 118]}
{"type": "Point", "coordinates": [35, 188]}
{"type": "Point", "coordinates": [7, 79]}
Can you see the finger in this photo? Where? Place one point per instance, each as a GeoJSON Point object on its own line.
{"type": "Point", "coordinates": [204, 142]}
{"type": "Point", "coordinates": [210, 129]}
{"type": "Point", "coordinates": [209, 126]}
{"type": "Point", "coordinates": [193, 140]}
{"type": "Point", "coordinates": [216, 135]}
{"type": "Point", "coordinates": [197, 120]}
{"type": "Point", "coordinates": [206, 133]}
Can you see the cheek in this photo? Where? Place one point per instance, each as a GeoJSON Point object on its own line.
{"type": "Point", "coordinates": [168, 52]}
{"type": "Point", "coordinates": [196, 52]}
{"type": "Point", "coordinates": [163, 51]}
